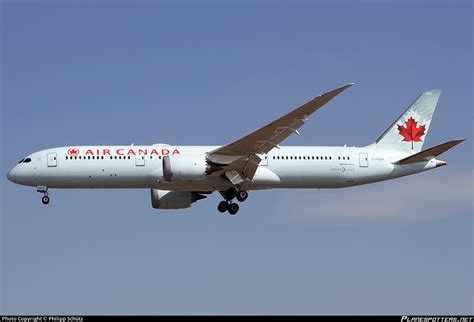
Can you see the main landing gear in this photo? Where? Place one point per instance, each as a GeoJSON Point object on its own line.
{"type": "Point", "coordinates": [229, 195]}
{"type": "Point", "coordinates": [44, 191]}
{"type": "Point", "coordinates": [225, 205]}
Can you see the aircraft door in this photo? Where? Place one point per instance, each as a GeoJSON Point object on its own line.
{"type": "Point", "coordinates": [139, 160]}
{"type": "Point", "coordinates": [52, 159]}
{"type": "Point", "coordinates": [363, 160]}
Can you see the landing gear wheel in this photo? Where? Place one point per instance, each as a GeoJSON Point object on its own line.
{"type": "Point", "coordinates": [45, 200]}
{"type": "Point", "coordinates": [223, 206]}
{"type": "Point", "coordinates": [233, 208]}
{"type": "Point", "coordinates": [242, 195]}
{"type": "Point", "coordinates": [231, 193]}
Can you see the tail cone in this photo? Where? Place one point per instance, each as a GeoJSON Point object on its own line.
{"type": "Point", "coordinates": [440, 163]}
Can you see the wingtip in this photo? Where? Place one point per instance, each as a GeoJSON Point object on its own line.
{"type": "Point", "coordinates": [347, 85]}
{"type": "Point", "coordinates": [336, 91]}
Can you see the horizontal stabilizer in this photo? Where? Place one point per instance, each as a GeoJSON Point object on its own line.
{"type": "Point", "coordinates": [426, 155]}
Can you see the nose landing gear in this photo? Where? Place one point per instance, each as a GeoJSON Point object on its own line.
{"type": "Point", "coordinates": [229, 195]}
{"type": "Point", "coordinates": [44, 191]}
{"type": "Point", "coordinates": [45, 200]}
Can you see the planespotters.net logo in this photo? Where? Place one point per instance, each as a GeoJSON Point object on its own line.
{"type": "Point", "coordinates": [437, 319]}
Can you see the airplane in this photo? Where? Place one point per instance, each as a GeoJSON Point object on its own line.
{"type": "Point", "coordinates": [179, 176]}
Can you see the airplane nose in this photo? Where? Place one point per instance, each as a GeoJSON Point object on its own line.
{"type": "Point", "coordinates": [11, 175]}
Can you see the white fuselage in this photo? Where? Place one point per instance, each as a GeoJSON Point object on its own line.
{"type": "Point", "coordinates": [142, 167]}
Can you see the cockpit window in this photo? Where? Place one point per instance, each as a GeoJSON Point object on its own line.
{"type": "Point", "coordinates": [21, 161]}
{"type": "Point", "coordinates": [27, 160]}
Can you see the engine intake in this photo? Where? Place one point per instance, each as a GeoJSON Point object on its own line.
{"type": "Point", "coordinates": [183, 168]}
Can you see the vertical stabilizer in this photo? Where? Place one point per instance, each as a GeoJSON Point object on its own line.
{"type": "Point", "coordinates": [409, 131]}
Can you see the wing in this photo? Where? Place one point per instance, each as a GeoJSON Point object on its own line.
{"type": "Point", "coordinates": [241, 156]}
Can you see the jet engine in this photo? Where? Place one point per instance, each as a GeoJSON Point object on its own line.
{"type": "Point", "coordinates": [163, 199]}
{"type": "Point", "coordinates": [185, 168]}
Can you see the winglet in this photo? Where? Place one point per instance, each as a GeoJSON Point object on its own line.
{"type": "Point", "coordinates": [335, 92]}
{"type": "Point", "coordinates": [428, 154]}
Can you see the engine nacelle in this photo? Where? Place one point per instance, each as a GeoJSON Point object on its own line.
{"type": "Point", "coordinates": [183, 168]}
{"type": "Point", "coordinates": [163, 199]}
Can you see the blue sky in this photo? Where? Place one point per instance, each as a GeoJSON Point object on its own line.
{"type": "Point", "coordinates": [207, 73]}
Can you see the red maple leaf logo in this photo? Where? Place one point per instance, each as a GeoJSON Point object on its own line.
{"type": "Point", "coordinates": [73, 151]}
{"type": "Point", "coordinates": [411, 132]}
